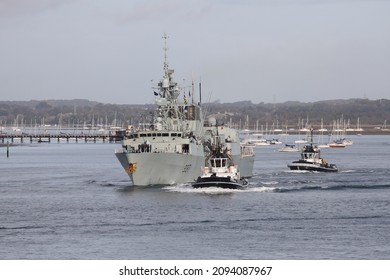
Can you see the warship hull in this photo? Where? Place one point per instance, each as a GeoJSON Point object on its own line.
{"type": "Point", "coordinates": [170, 168]}
{"type": "Point", "coordinates": [161, 168]}
{"type": "Point", "coordinates": [245, 164]}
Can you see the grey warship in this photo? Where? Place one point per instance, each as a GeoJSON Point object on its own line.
{"type": "Point", "coordinates": [174, 149]}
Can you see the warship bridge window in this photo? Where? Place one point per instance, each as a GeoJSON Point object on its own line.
{"type": "Point", "coordinates": [173, 134]}
{"type": "Point", "coordinates": [142, 135]}
{"type": "Point", "coordinates": [165, 134]}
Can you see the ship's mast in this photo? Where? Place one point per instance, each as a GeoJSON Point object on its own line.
{"type": "Point", "coordinates": [165, 48]}
{"type": "Point", "coordinates": [168, 113]}
{"type": "Point", "coordinates": [168, 87]}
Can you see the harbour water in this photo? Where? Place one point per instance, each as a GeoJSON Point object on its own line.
{"type": "Point", "coordinates": [74, 201]}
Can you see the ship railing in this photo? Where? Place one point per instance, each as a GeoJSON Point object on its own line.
{"type": "Point", "coordinates": [137, 151]}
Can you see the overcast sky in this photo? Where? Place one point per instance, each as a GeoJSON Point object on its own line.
{"type": "Point", "coordinates": [258, 50]}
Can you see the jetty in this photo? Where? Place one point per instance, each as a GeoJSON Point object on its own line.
{"type": "Point", "coordinates": [111, 136]}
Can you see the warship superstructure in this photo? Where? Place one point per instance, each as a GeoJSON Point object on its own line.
{"type": "Point", "coordinates": [174, 148]}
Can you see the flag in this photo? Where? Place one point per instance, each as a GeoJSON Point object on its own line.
{"type": "Point", "coordinates": [185, 100]}
{"type": "Point", "coordinates": [189, 93]}
{"type": "Point", "coordinates": [155, 93]}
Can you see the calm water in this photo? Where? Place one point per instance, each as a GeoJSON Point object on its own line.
{"type": "Point", "coordinates": [74, 201]}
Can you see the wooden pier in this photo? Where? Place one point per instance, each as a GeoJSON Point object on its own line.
{"type": "Point", "coordinates": [57, 138]}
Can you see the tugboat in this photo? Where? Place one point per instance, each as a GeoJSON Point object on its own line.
{"type": "Point", "coordinates": [220, 170]}
{"type": "Point", "coordinates": [311, 160]}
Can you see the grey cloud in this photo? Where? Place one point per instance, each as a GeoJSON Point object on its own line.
{"type": "Point", "coordinates": [161, 10]}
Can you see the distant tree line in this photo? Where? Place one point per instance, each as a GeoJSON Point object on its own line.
{"type": "Point", "coordinates": [70, 113]}
{"type": "Point", "coordinates": [369, 112]}
{"type": "Point", "coordinates": [288, 114]}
